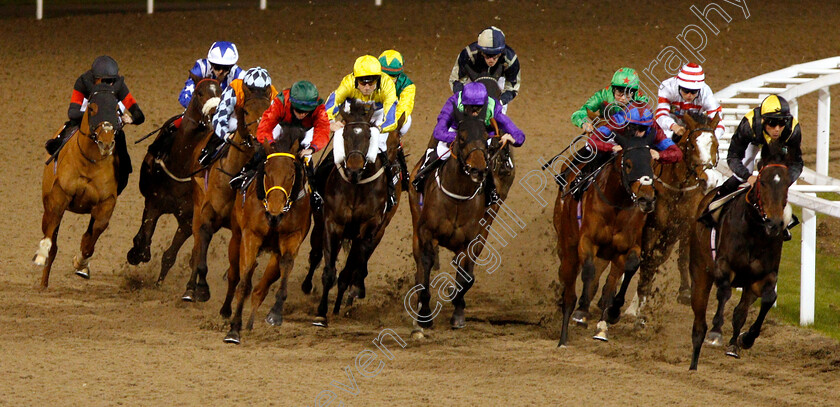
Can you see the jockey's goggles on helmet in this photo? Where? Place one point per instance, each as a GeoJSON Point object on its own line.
{"type": "Point", "coordinates": [366, 80]}
{"type": "Point", "coordinates": [689, 91]}
{"type": "Point", "coordinates": [217, 67]}
{"type": "Point", "coordinates": [624, 90]}
{"type": "Point", "coordinates": [491, 56]}
{"type": "Point", "coordinates": [775, 122]}
{"type": "Point", "coordinates": [108, 81]}
{"type": "Point", "coordinates": [298, 111]}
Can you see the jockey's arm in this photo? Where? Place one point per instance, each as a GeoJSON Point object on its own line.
{"type": "Point", "coordinates": [136, 115]}
{"type": "Point", "coordinates": [223, 120]}
{"type": "Point", "coordinates": [74, 112]}
{"type": "Point", "coordinates": [270, 119]}
{"type": "Point", "coordinates": [405, 105]}
{"type": "Point", "coordinates": [512, 79]}
{"type": "Point", "coordinates": [445, 121]}
{"type": "Point", "coordinates": [337, 98]}
{"type": "Point", "coordinates": [737, 150]}
{"type": "Point", "coordinates": [664, 150]}
{"type": "Point", "coordinates": [594, 103]}
{"type": "Point", "coordinates": [794, 145]}
{"type": "Point", "coordinates": [458, 77]}
{"type": "Point", "coordinates": [506, 126]}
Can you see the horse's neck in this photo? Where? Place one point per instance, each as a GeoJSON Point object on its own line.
{"type": "Point", "coordinates": [611, 185]}
{"type": "Point", "coordinates": [238, 154]}
{"type": "Point", "coordinates": [455, 180]}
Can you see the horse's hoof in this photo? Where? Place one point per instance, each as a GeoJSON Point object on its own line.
{"type": "Point", "coordinates": [613, 317]}
{"type": "Point", "coordinates": [349, 301]}
{"type": "Point", "coordinates": [745, 340]}
{"type": "Point", "coordinates": [136, 256]}
{"type": "Point", "coordinates": [321, 322]}
{"type": "Point", "coordinates": [274, 319]}
{"type": "Point", "coordinates": [233, 337]}
{"type": "Point", "coordinates": [580, 317]}
{"type": "Point", "coordinates": [457, 322]}
{"type": "Point", "coordinates": [84, 273]}
{"type": "Point", "coordinates": [39, 260]}
{"type": "Point", "coordinates": [225, 312]}
{"type": "Point", "coordinates": [684, 297]}
{"type": "Point", "coordinates": [641, 322]}
{"type": "Point", "coordinates": [189, 295]}
{"type": "Point", "coordinates": [306, 287]}
{"type": "Point", "coordinates": [714, 339]}
{"type": "Point", "coordinates": [601, 336]}
{"type": "Point", "coordinates": [418, 334]}
{"type": "Point", "coordinates": [732, 350]}
{"type": "Point", "coordinates": [202, 293]}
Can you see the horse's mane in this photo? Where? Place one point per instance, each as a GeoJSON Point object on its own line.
{"type": "Point", "coordinates": [290, 134]}
{"type": "Point", "coordinates": [774, 152]}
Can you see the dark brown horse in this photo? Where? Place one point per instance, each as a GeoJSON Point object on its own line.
{"type": "Point", "coordinates": [82, 180]}
{"type": "Point", "coordinates": [749, 249]}
{"type": "Point", "coordinates": [679, 189]}
{"type": "Point", "coordinates": [354, 210]}
{"type": "Point", "coordinates": [450, 216]}
{"type": "Point", "coordinates": [165, 182]}
{"type": "Point", "coordinates": [272, 214]}
{"type": "Point", "coordinates": [613, 212]}
{"type": "Point", "coordinates": [212, 195]}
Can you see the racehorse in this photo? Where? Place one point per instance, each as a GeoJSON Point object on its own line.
{"type": "Point", "coordinates": [82, 180]}
{"type": "Point", "coordinates": [679, 189]}
{"type": "Point", "coordinates": [272, 214]}
{"type": "Point", "coordinates": [749, 248]}
{"type": "Point", "coordinates": [355, 195]}
{"type": "Point", "coordinates": [165, 182]}
{"type": "Point", "coordinates": [613, 212]}
{"type": "Point", "coordinates": [450, 216]}
{"type": "Point", "coordinates": [212, 195]}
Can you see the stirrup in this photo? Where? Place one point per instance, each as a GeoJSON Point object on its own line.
{"type": "Point", "coordinates": [493, 198]}
{"type": "Point", "coordinates": [316, 201]}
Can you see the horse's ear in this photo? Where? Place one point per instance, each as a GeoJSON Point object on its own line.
{"type": "Point", "coordinates": [689, 121]}
{"type": "Point", "coordinates": [591, 114]}
{"type": "Point", "coordinates": [458, 115]}
{"type": "Point", "coordinates": [369, 115]}
{"type": "Point", "coordinates": [483, 112]}
{"type": "Point", "coordinates": [345, 117]}
{"type": "Point", "coordinates": [715, 120]}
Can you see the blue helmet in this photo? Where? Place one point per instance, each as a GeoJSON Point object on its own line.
{"type": "Point", "coordinates": [491, 41]}
{"type": "Point", "coordinates": [223, 53]}
{"type": "Point", "coordinates": [641, 115]}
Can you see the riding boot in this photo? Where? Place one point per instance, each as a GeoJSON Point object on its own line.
{"type": "Point", "coordinates": [248, 170]}
{"type": "Point", "coordinates": [403, 168]}
{"type": "Point", "coordinates": [208, 153]}
{"type": "Point", "coordinates": [54, 144]}
{"type": "Point", "coordinates": [389, 176]}
{"type": "Point", "coordinates": [432, 161]}
{"type": "Point", "coordinates": [315, 200]}
{"type": "Point", "coordinates": [122, 165]}
{"type": "Point", "coordinates": [573, 166]}
{"type": "Point", "coordinates": [490, 194]}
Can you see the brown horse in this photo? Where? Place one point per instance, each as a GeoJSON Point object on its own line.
{"type": "Point", "coordinates": [450, 216]}
{"type": "Point", "coordinates": [82, 180]}
{"type": "Point", "coordinates": [749, 249]}
{"type": "Point", "coordinates": [165, 182]}
{"type": "Point", "coordinates": [354, 210]}
{"type": "Point", "coordinates": [613, 213]}
{"type": "Point", "coordinates": [679, 189]}
{"type": "Point", "coordinates": [272, 214]}
{"type": "Point", "coordinates": [212, 195]}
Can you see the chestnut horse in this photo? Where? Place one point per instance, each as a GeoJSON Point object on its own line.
{"type": "Point", "coordinates": [613, 212]}
{"type": "Point", "coordinates": [452, 208]}
{"type": "Point", "coordinates": [212, 195]}
{"type": "Point", "coordinates": [355, 194]}
{"type": "Point", "coordinates": [749, 249]}
{"type": "Point", "coordinates": [165, 181]}
{"type": "Point", "coordinates": [272, 214]}
{"type": "Point", "coordinates": [82, 180]}
{"type": "Point", "coordinates": [679, 189]}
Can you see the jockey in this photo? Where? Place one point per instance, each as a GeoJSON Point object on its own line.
{"type": "Point", "coordinates": [224, 121]}
{"type": "Point", "coordinates": [773, 121]}
{"type": "Point", "coordinates": [636, 121]}
{"type": "Point", "coordinates": [470, 100]}
{"type": "Point", "coordinates": [684, 92]}
{"type": "Point", "coordinates": [392, 64]}
{"type": "Point", "coordinates": [300, 105]}
{"type": "Point", "coordinates": [220, 64]}
{"type": "Point", "coordinates": [623, 89]}
{"type": "Point", "coordinates": [488, 56]}
{"type": "Point", "coordinates": [369, 85]}
{"type": "Point", "coordinates": [104, 70]}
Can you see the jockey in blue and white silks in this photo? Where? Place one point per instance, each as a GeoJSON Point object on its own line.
{"type": "Point", "coordinates": [220, 64]}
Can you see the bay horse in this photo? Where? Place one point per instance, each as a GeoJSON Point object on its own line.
{"type": "Point", "coordinates": [749, 248]}
{"type": "Point", "coordinates": [212, 194]}
{"type": "Point", "coordinates": [450, 216]}
{"type": "Point", "coordinates": [272, 214]}
{"type": "Point", "coordinates": [82, 180]}
{"type": "Point", "coordinates": [612, 214]}
{"type": "Point", "coordinates": [165, 182]}
{"type": "Point", "coordinates": [679, 189]}
{"type": "Point", "coordinates": [355, 195]}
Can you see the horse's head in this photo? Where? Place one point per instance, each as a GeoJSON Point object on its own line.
{"type": "Point", "coordinates": [470, 145]}
{"type": "Point", "coordinates": [769, 193]}
{"type": "Point", "coordinates": [255, 102]}
{"type": "Point", "coordinates": [636, 171]}
{"type": "Point", "coordinates": [280, 171]}
{"type": "Point", "coordinates": [699, 145]}
{"type": "Point", "coordinates": [357, 142]}
{"type": "Point", "coordinates": [205, 100]}
{"type": "Point", "coordinates": [102, 117]}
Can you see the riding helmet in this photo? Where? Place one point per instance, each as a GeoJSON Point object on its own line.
{"type": "Point", "coordinates": [625, 78]}
{"type": "Point", "coordinates": [104, 67]}
{"type": "Point", "coordinates": [257, 78]}
{"type": "Point", "coordinates": [223, 53]}
{"type": "Point", "coordinates": [691, 76]}
{"type": "Point", "coordinates": [474, 94]}
{"type": "Point", "coordinates": [775, 107]}
{"type": "Point", "coordinates": [392, 62]}
{"type": "Point", "coordinates": [491, 41]}
{"type": "Point", "coordinates": [304, 96]}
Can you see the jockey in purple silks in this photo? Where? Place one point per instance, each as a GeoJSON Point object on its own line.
{"type": "Point", "coordinates": [469, 101]}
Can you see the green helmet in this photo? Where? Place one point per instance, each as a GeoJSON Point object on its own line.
{"type": "Point", "coordinates": [304, 96]}
{"type": "Point", "coordinates": [626, 78]}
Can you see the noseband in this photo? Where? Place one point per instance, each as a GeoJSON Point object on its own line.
{"type": "Point", "coordinates": [288, 205]}
{"type": "Point", "coordinates": [358, 151]}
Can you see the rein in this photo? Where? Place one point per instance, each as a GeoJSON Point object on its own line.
{"type": "Point", "coordinates": [288, 205]}
{"type": "Point", "coordinates": [757, 187]}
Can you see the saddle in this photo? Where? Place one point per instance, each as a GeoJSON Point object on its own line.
{"type": "Point", "coordinates": [711, 216]}
{"type": "Point", "coordinates": [585, 179]}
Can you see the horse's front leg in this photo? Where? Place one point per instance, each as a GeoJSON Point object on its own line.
{"type": "Point", "coordinates": [465, 279]}
{"type": "Point", "coordinates": [630, 267]}
{"type": "Point", "coordinates": [586, 254]}
{"type": "Point", "coordinates": [171, 254]}
{"type": "Point", "coordinates": [99, 217]}
{"type": "Point", "coordinates": [55, 203]}
{"type": "Point", "coordinates": [202, 235]}
{"type": "Point", "coordinates": [683, 259]}
{"type": "Point", "coordinates": [424, 257]}
{"type": "Point", "coordinates": [768, 298]}
{"type": "Point", "coordinates": [234, 250]}
{"type": "Point", "coordinates": [701, 288]}
{"type": "Point", "coordinates": [625, 265]}
{"type": "Point", "coordinates": [284, 265]}
{"type": "Point", "coordinates": [247, 263]}
{"type": "Point", "coordinates": [739, 317]}
{"type": "Point", "coordinates": [141, 251]}
{"type": "Point", "coordinates": [724, 292]}
{"type": "Point", "coordinates": [654, 252]}
{"type": "Point", "coordinates": [332, 246]}
{"type": "Point", "coordinates": [316, 251]}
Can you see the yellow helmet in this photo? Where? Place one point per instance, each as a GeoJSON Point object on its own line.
{"type": "Point", "coordinates": [392, 62]}
{"type": "Point", "coordinates": [367, 65]}
{"type": "Point", "coordinates": [775, 107]}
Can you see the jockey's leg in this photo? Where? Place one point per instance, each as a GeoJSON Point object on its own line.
{"type": "Point", "coordinates": [435, 157]}
{"type": "Point", "coordinates": [208, 153]}
{"type": "Point", "coordinates": [122, 165]}
{"type": "Point", "coordinates": [381, 147]}
{"type": "Point", "coordinates": [249, 169]}
{"type": "Point", "coordinates": [490, 194]}
{"type": "Point", "coordinates": [54, 144]}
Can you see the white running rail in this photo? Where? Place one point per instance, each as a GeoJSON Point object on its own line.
{"type": "Point", "coordinates": [790, 83]}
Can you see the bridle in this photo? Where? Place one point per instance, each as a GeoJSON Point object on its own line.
{"type": "Point", "coordinates": [644, 180]}
{"type": "Point", "coordinates": [356, 150]}
{"type": "Point", "coordinates": [757, 187]}
{"type": "Point", "coordinates": [206, 119]}
{"type": "Point", "coordinates": [288, 205]}
{"type": "Point", "coordinates": [248, 139]}
{"type": "Point", "coordinates": [94, 136]}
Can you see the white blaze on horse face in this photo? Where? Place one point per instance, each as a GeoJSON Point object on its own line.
{"type": "Point", "coordinates": [776, 179]}
{"type": "Point", "coordinates": [209, 105]}
{"type": "Point", "coordinates": [646, 180]}
{"type": "Point", "coordinates": [704, 147]}
{"type": "Point", "coordinates": [43, 252]}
